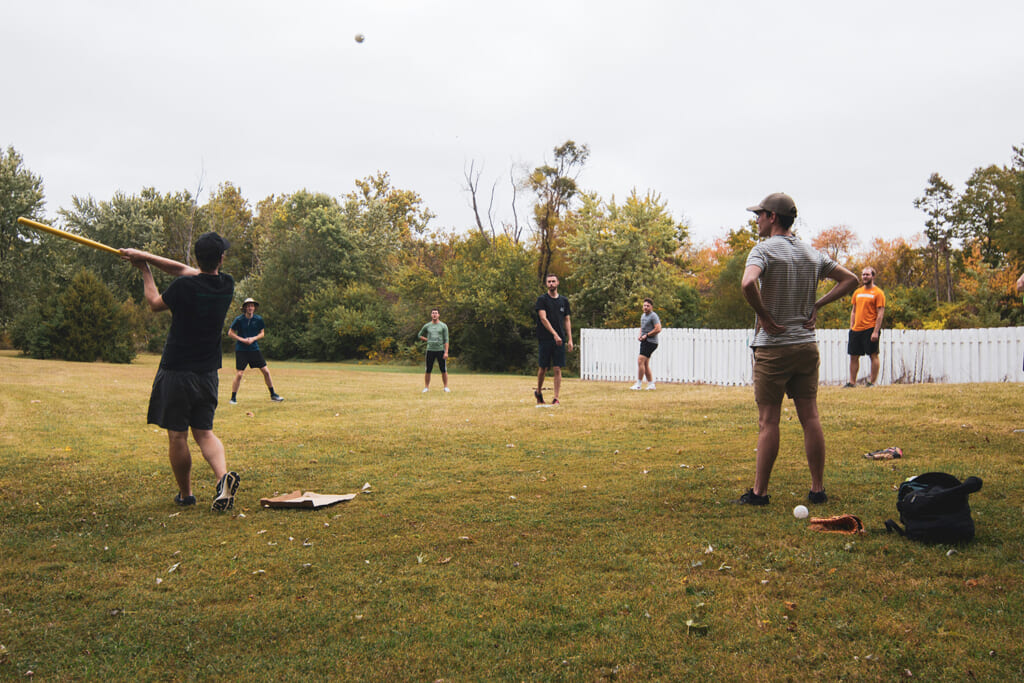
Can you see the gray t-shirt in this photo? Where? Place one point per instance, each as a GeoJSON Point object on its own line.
{"type": "Point", "coordinates": [790, 271]}
{"type": "Point", "coordinates": [648, 321]}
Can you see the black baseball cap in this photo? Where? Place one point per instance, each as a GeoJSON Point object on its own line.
{"type": "Point", "coordinates": [210, 246]}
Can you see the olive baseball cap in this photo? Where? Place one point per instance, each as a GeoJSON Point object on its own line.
{"type": "Point", "coordinates": [777, 202]}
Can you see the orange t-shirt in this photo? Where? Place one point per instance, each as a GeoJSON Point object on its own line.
{"type": "Point", "coordinates": [866, 303]}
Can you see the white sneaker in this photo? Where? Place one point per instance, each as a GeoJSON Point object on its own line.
{"type": "Point", "coordinates": [426, 389]}
{"type": "Point", "coordinates": [651, 387]}
{"type": "Point", "coordinates": [636, 387]}
{"type": "Point", "coordinates": [447, 390]}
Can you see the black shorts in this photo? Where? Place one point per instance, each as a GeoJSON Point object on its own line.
{"type": "Point", "coordinates": [251, 357]}
{"type": "Point", "coordinates": [550, 354]}
{"type": "Point", "coordinates": [647, 348]}
{"type": "Point", "coordinates": [181, 399]}
{"type": "Point", "coordinates": [439, 357]}
{"type": "Point", "coordinates": [860, 343]}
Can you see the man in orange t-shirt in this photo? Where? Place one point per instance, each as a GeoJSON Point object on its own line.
{"type": "Point", "coordinates": [865, 326]}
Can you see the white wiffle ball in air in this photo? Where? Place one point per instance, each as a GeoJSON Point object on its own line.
{"type": "Point", "coordinates": [360, 37]}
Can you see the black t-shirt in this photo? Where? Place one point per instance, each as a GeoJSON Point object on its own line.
{"type": "Point", "coordinates": [199, 304]}
{"type": "Point", "coordinates": [557, 310]}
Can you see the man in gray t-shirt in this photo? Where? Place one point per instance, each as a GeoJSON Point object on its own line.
{"type": "Point", "coordinates": [780, 283]}
{"type": "Point", "coordinates": [650, 326]}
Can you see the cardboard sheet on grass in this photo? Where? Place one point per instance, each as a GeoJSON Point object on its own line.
{"type": "Point", "coordinates": [305, 501]}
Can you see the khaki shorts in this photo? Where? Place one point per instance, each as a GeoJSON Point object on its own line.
{"type": "Point", "coordinates": [782, 370]}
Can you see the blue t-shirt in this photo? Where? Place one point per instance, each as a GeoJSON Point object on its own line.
{"type": "Point", "coordinates": [245, 328]}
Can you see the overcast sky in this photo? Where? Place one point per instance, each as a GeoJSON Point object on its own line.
{"type": "Point", "coordinates": [849, 107]}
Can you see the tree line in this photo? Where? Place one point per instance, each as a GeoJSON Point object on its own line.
{"type": "Point", "coordinates": [355, 275]}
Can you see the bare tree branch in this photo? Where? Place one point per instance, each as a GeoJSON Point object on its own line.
{"type": "Point", "coordinates": [472, 184]}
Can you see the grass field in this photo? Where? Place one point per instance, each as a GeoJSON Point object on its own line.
{"type": "Point", "coordinates": [497, 541]}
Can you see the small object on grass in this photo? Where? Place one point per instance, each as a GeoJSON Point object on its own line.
{"type": "Point", "coordinates": [308, 500]}
{"type": "Point", "coordinates": [890, 453]}
{"type": "Point", "coordinates": [693, 628]}
{"type": "Point", "coordinates": [843, 524]}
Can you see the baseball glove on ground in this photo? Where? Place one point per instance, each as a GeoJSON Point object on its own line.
{"type": "Point", "coordinates": [843, 524]}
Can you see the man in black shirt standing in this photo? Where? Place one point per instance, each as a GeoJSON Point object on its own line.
{"type": "Point", "coordinates": [554, 333]}
{"type": "Point", "coordinates": [184, 391]}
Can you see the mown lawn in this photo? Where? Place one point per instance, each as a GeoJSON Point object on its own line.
{"type": "Point", "coordinates": [497, 540]}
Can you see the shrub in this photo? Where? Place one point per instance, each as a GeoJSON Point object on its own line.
{"type": "Point", "coordinates": [82, 323]}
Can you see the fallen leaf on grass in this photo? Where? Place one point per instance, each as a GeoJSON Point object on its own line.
{"type": "Point", "coordinates": [790, 605]}
{"type": "Point", "coordinates": [444, 560]}
{"type": "Point", "coordinates": [250, 414]}
{"type": "Point", "coordinates": [696, 629]}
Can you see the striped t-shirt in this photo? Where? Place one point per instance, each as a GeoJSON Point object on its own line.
{"type": "Point", "coordinates": [790, 271]}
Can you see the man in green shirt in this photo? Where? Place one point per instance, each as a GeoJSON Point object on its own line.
{"type": "Point", "coordinates": [435, 333]}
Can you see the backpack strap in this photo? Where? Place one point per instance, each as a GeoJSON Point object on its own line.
{"type": "Point", "coordinates": [891, 526]}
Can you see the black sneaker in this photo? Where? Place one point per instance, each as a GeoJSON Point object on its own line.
{"type": "Point", "coordinates": [187, 500]}
{"type": "Point", "coordinates": [276, 398]}
{"type": "Point", "coordinates": [555, 402]}
{"type": "Point", "coordinates": [226, 488]}
{"type": "Point", "coordinates": [751, 498]}
{"type": "Point", "coordinates": [539, 396]}
{"type": "Point", "coordinates": [817, 497]}
{"type": "Point", "coordinates": [233, 402]}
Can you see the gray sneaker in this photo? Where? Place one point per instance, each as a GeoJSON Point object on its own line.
{"type": "Point", "coordinates": [226, 488]}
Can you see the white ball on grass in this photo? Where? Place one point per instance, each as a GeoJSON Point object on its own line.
{"type": "Point", "coordinates": [800, 512]}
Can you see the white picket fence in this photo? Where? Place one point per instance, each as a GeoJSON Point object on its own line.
{"type": "Point", "coordinates": [724, 357]}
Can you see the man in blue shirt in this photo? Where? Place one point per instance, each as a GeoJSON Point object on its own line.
{"type": "Point", "coordinates": [247, 329]}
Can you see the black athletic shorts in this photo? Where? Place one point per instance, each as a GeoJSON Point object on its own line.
{"type": "Point", "coordinates": [550, 354]}
{"type": "Point", "coordinates": [647, 348]}
{"type": "Point", "coordinates": [181, 399]}
{"type": "Point", "coordinates": [439, 357]}
{"type": "Point", "coordinates": [251, 357]}
{"type": "Point", "coordinates": [860, 343]}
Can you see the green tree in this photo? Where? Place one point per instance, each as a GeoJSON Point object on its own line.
{"type": "Point", "coordinates": [554, 187]}
{"type": "Point", "coordinates": [82, 323]}
{"type": "Point", "coordinates": [124, 221]}
{"type": "Point", "coordinates": [486, 296]}
{"type": "Point", "coordinates": [1013, 234]}
{"type": "Point", "coordinates": [939, 204]}
{"type": "Point", "coordinates": [228, 214]}
{"type": "Point", "coordinates": [726, 307]}
{"type": "Point", "coordinates": [621, 254]}
{"type": "Point", "coordinates": [981, 209]}
{"type": "Point", "coordinates": [306, 246]}
{"type": "Point", "coordinates": [21, 194]}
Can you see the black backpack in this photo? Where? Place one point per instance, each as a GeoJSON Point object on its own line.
{"type": "Point", "coordinates": [933, 508]}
